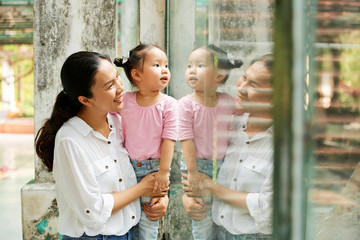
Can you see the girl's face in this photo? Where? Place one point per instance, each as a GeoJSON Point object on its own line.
{"type": "Point", "coordinates": [201, 74]}
{"type": "Point", "coordinates": [108, 89]}
{"type": "Point", "coordinates": [255, 86]}
{"type": "Point", "coordinates": [155, 74]}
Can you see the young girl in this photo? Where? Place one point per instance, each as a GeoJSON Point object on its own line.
{"type": "Point", "coordinates": [149, 121]}
{"type": "Point", "coordinates": [204, 120]}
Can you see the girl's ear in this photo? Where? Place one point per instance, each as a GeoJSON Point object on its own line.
{"type": "Point", "coordinates": [85, 101]}
{"type": "Point", "coordinates": [220, 75]}
{"type": "Point", "coordinates": [135, 74]}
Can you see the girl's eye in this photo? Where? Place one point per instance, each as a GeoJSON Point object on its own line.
{"type": "Point", "coordinates": [201, 65]}
{"type": "Point", "coordinates": [189, 66]}
{"type": "Point", "coordinates": [166, 66]}
{"type": "Point", "coordinates": [156, 65]}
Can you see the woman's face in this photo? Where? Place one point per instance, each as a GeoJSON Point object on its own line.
{"type": "Point", "coordinates": [108, 89]}
{"type": "Point", "coordinates": [200, 72]}
{"type": "Point", "coordinates": [254, 86]}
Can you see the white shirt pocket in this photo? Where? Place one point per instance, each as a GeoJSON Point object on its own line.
{"type": "Point", "coordinates": [105, 173]}
{"type": "Point", "coordinates": [258, 165]}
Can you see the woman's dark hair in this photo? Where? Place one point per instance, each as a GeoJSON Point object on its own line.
{"type": "Point", "coordinates": [134, 59]}
{"type": "Point", "coordinates": [77, 78]}
{"type": "Point", "coordinates": [267, 59]}
{"type": "Point", "coordinates": [222, 59]}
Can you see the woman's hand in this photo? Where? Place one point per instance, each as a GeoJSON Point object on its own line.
{"type": "Point", "coordinates": [202, 188]}
{"type": "Point", "coordinates": [147, 184]}
{"type": "Point", "coordinates": [156, 209]}
{"type": "Point", "coordinates": [195, 207]}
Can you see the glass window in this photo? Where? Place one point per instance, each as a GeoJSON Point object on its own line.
{"type": "Point", "coordinates": [334, 211]}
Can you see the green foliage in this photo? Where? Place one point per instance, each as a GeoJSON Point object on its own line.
{"type": "Point", "coordinates": [20, 58]}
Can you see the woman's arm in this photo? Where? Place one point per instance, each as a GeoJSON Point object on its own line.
{"type": "Point", "coordinates": [143, 188]}
{"type": "Point", "coordinates": [208, 187]}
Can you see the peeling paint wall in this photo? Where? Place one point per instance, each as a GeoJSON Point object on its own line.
{"type": "Point", "coordinates": [61, 27]}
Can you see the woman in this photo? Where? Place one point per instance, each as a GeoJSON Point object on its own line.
{"type": "Point", "coordinates": [242, 206]}
{"type": "Point", "coordinates": [96, 188]}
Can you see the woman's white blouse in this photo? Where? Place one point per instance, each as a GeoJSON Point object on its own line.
{"type": "Point", "coordinates": [247, 167]}
{"type": "Point", "coordinates": [87, 168]}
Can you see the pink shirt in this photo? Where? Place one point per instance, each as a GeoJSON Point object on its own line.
{"type": "Point", "coordinates": [145, 127]}
{"type": "Point", "coordinates": [197, 122]}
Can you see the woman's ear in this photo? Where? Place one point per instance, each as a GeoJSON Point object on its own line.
{"type": "Point", "coordinates": [85, 101]}
{"type": "Point", "coordinates": [135, 74]}
{"type": "Point", "coordinates": [220, 75]}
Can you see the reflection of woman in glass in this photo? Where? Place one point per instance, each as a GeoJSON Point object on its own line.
{"type": "Point", "coordinates": [204, 120]}
{"type": "Point", "coordinates": [242, 204]}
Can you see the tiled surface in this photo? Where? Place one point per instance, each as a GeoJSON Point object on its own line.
{"type": "Point", "coordinates": [16, 169]}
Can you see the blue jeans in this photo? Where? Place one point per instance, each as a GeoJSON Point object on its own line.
{"type": "Point", "coordinates": [203, 229]}
{"type": "Point", "coordinates": [147, 229]}
{"type": "Point", "coordinates": [223, 234]}
{"type": "Point", "coordinates": [127, 236]}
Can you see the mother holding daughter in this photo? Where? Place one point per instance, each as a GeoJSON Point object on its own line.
{"type": "Point", "coordinates": [82, 144]}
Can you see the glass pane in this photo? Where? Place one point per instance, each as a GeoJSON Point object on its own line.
{"type": "Point", "coordinates": [335, 173]}
{"type": "Point", "coordinates": [225, 122]}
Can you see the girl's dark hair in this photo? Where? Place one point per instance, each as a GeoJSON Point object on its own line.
{"type": "Point", "coordinates": [222, 60]}
{"type": "Point", "coordinates": [77, 77]}
{"type": "Point", "coordinates": [134, 59]}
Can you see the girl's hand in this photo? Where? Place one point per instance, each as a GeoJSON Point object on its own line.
{"type": "Point", "coordinates": [161, 181]}
{"type": "Point", "coordinates": [148, 183]}
{"type": "Point", "coordinates": [156, 209]}
{"type": "Point", "coordinates": [195, 207]}
{"type": "Point", "coordinates": [201, 188]}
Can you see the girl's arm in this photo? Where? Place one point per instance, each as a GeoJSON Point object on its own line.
{"type": "Point", "coordinates": [188, 149]}
{"type": "Point", "coordinates": [162, 176]}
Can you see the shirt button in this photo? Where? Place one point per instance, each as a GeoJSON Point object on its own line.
{"type": "Point", "coordinates": [253, 166]}
{"type": "Point", "coordinates": [115, 160]}
{"type": "Point", "coordinates": [87, 211]}
{"type": "Point", "coordinates": [106, 167]}
{"type": "Point", "coordinates": [235, 179]}
{"type": "Point", "coordinates": [247, 142]}
{"type": "Point", "coordinates": [109, 142]}
{"type": "Point", "coordinates": [133, 217]}
{"type": "Point", "coordinates": [139, 164]}
{"type": "Point", "coordinates": [120, 180]}
{"type": "Point", "coordinates": [222, 216]}
{"type": "Point", "coordinates": [241, 160]}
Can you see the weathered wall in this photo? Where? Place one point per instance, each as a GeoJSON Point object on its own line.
{"type": "Point", "coordinates": [61, 27]}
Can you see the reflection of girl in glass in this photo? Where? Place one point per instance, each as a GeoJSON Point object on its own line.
{"type": "Point", "coordinates": [204, 120]}
{"type": "Point", "coordinates": [242, 197]}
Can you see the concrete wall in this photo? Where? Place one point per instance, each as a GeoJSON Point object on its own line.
{"type": "Point", "coordinates": [61, 27]}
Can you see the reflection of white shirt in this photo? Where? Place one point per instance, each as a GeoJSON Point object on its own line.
{"type": "Point", "coordinates": [247, 167]}
{"type": "Point", "coordinates": [87, 168]}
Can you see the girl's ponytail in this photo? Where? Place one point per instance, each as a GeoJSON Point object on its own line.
{"type": "Point", "coordinates": [224, 60]}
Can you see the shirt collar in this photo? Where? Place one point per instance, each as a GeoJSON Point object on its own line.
{"type": "Point", "coordinates": [83, 128]}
